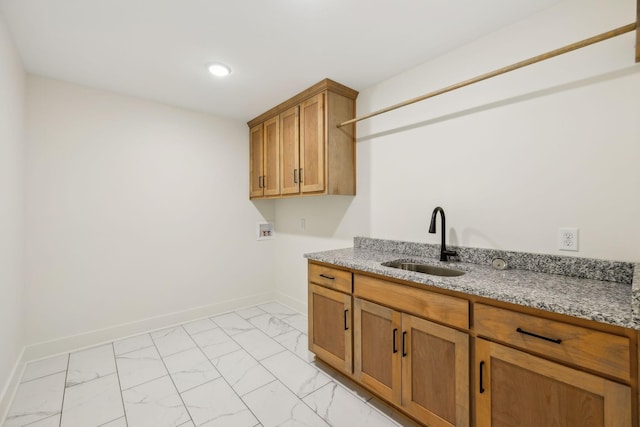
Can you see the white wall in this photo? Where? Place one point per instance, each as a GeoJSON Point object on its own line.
{"type": "Point", "coordinates": [137, 209]}
{"type": "Point", "coordinates": [134, 210]}
{"type": "Point", "coordinates": [511, 159]}
{"type": "Point", "coordinates": [11, 209]}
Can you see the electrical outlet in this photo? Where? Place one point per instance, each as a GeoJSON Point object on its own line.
{"type": "Point", "coordinates": [568, 239]}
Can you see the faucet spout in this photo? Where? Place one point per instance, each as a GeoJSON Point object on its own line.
{"type": "Point", "coordinates": [444, 253]}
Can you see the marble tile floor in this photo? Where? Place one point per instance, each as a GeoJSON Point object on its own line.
{"type": "Point", "coordinates": [250, 367]}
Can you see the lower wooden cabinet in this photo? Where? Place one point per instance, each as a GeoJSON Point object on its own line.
{"type": "Point", "coordinates": [420, 366]}
{"type": "Point", "coordinates": [330, 329]}
{"type": "Point", "coordinates": [597, 351]}
{"type": "Point", "coordinates": [514, 388]}
{"type": "Point", "coordinates": [413, 348]}
{"type": "Point", "coordinates": [377, 349]}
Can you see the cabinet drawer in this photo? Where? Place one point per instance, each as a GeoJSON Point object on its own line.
{"type": "Point", "coordinates": [582, 347]}
{"type": "Point", "coordinates": [330, 277]}
{"type": "Point", "coordinates": [429, 305]}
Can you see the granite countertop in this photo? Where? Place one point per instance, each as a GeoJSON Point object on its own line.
{"type": "Point", "coordinates": [584, 297]}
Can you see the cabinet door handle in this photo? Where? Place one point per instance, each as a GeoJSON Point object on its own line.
{"type": "Point", "coordinates": [482, 377]}
{"type": "Point", "coordinates": [326, 276]}
{"type": "Point", "coordinates": [404, 348]}
{"type": "Point", "coordinates": [531, 334]}
{"type": "Point", "coordinates": [295, 176]}
{"type": "Point", "coordinates": [264, 181]}
{"type": "Point", "coordinates": [260, 181]}
{"type": "Point", "coordinates": [346, 327]}
{"type": "Point", "coordinates": [395, 335]}
{"type": "Point", "coordinates": [300, 175]}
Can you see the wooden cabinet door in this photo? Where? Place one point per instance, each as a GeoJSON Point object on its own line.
{"type": "Point", "coordinates": [289, 151]}
{"type": "Point", "coordinates": [312, 145]}
{"type": "Point", "coordinates": [271, 180]}
{"type": "Point", "coordinates": [330, 327]}
{"type": "Point", "coordinates": [514, 388]}
{"type": "Point", "coordinates": [435, 372]}
{"type": "Point", "coordinates": [256, 162]}
{"type": "Point", "coordinates": [376, 346]}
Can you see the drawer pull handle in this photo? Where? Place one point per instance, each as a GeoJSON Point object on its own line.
{"type": "Point", "coordinates": [482, 377]}
{"type": "Point", "coordinates": [346, 327]}
{"type": "Point", "coordinates": [395, 336]}
{"type": "Point", "coordinates": [326, 276]}
{"type": "Point", "coordinates": [531, 334]}
{"type": "Point", "coordinates": [404, 348]}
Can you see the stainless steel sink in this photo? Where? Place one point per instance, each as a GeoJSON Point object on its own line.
{"type": "Point", "coordinates": [424, 268]}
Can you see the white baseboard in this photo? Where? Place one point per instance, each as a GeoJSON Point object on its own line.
{"type": "Point", "coordinates": [92, 338]}
{"type": "Point", "coordinates": [294, 303]}
{"type": "Point", "coordinates": [11, 386]}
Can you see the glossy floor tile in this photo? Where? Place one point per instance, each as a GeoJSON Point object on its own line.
{"type": "Point", "coordinates": [92, 403]}
{"type": "Point", "coordinates": [247, 368]}
{"type": "Point", "coordinates": [36, 400]}
{"type": "Point", "coordinates": [155, 404]}
{"type": "Point", "coordinates": [139, 367]}
{"type": "Point", "coordinates": [91, 364]}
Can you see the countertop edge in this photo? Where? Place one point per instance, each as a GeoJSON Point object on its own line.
{"type": "Point", "coordinates": [497, 285]}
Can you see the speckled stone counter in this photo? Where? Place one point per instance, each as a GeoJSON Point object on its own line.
{"type": "Point", "coordinates": [566, 285]}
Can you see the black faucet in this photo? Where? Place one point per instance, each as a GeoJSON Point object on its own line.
{"type": "Point", "coordinates": [444, 253]}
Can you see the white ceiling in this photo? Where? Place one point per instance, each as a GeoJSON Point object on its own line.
{"type": "Point", "coordinates": [159, 49]}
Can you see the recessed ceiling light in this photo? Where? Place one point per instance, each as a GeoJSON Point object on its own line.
{"type": "Point", "coordinates": [219, 70]}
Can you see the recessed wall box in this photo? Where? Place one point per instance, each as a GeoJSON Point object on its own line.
{"type": "Point", "coordinates": [265, 231]}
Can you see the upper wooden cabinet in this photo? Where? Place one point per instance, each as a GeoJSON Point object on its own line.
{"type": "Point", "coordinates": [289, 152]}
{"type": "Point", "coordinates": [265, 151]}
{"type": "Point", "coordinates": [256, 167]}
{"type": "Point", "coordinates": [313, 156]}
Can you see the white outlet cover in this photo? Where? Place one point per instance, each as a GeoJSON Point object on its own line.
{"type": "Point", "coordinates": [568, 239]}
